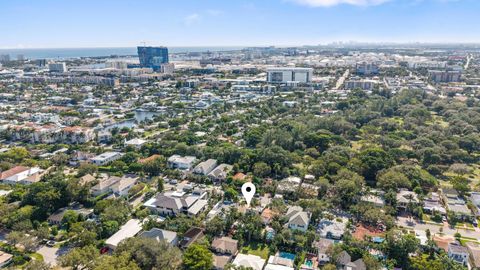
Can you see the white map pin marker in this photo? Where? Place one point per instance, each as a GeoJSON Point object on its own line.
{"type": "Point", "coordinates": [248, 190]}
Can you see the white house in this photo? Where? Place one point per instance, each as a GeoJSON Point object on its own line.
{"type": "Point", "coordinates": [331, 229]}
{"type": "Point", "coordinates": [105, 158]}
{"type": "Point", "coordinates": [129, 229]}
{"type": "Point", "coordinates": [458, 253]}
{"type": "Point", "coordinates": [161, 235]}
{"type": "Point", "coordinates": [181, 163]}
{"type": "Point", "coordinates": [205, 167]}
{"type": "Point", "coordinates": [136, 143]}
{"type": "Point", "coordinates": [123, 185]}
{"type": "Point", "coordinates": [252, 261]}
{"type": "Point", "coordinates": [114, 184]}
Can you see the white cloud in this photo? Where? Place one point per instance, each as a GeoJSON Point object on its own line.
{"type": "Point", "coordinates": [329, 3]}
{"type": "Point", "coordinates": [191, 19]}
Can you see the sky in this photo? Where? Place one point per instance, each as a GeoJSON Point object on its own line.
{"type": "Point", "coordinates": [128, 23]}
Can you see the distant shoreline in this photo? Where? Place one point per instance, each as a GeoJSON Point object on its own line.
{"type": "Point", "coordinates": [68, 53]}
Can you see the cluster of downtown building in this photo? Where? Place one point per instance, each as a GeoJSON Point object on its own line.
{"type": "Point", "coordinates": [151, 60]}
{"type": "Point", "coordinates": [267, 69]}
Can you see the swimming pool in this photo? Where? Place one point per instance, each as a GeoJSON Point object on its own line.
{"type": "Point", "coordinates": [287, 255]}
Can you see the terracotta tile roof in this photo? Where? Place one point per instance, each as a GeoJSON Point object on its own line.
{"type": "Point", "coordinates": [150, 158]}
{"type": "Point", "coordinates": [443, 241]}
{"type": "Point", "coordinates": [239, 176]}
{"type": "Point", "coordinates": [268, 214]}
{"type": "Point", "coordinates": [13, 171]}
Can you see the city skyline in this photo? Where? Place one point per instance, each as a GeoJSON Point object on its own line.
{"type": "Point", "coordinates": [126, 23]}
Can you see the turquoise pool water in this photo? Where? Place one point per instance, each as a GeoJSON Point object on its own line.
{"type": "Point", "coordinates": [378, 239]}
{"type": "Point", "coordinates": [287, 255]}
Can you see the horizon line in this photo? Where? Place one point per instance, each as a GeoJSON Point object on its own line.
{"type": "Point", "coordinates": [352, 42]}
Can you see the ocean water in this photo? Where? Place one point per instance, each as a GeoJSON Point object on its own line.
{"type": "Point", "coordinates": [65, 53]}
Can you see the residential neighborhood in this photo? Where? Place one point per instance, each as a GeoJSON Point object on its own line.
{"type": "Point", "coordinates": [331, 156]}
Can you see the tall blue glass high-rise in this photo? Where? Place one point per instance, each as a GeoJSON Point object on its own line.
{"type": "Point", "coordinates": [152, 57]}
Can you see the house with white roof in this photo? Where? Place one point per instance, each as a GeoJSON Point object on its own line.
{"type": "Point", "coordinates": [161, 235]}
{"type": "Point", "coordinates": [332, 229]}
{"type": "Point", "coordinates": [105, 158]}
{"type": "Point", "coordinates": [422, 237]}
{"type": "Point", "coordinates": [114, 184]}
{"type": "Point", "coordinates": [205, 167]}
{"type": "Point", "coordinates": [137, 143]}
{"type": "Point", "coordinates": [374, 198]}
{"type": "Point", "coordinates": [289, 184]}
{"type": "Point", "coordinates": [181, 163]}
{"type": "Point", "coordinates": [248, 260]}
{"type": "Point", "coordinates": [124, 184]}
{"type": "Point", "coordinates": [129, 229]}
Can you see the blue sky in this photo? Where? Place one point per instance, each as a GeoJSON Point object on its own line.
{"type": "Point", "coordinates": [123, 23]}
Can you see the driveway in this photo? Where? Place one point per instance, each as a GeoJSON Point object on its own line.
{"type": "Point", "coordinates": [137, 201]}
{"type": "Point", "coordinates": [51, 254]}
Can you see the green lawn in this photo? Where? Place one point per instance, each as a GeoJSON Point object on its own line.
{"type": "Point", "coordinates": [37, 256]}
{"type": "Point", "coordinates": [260, 250]}
{"type": "Point", "coordinates": [473, 177]}
{"type": "Point", "coordinates": [465, 226]}
{"type": "Point", "coordinates": [464, 241]}
{"type": "Point", "coordinates": [428, 219]}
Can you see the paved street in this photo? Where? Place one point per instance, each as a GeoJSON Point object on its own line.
{"type": "Point", "coordinates": [410, 223]}
{"type": "Point", "coordinates": [342, 79]}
